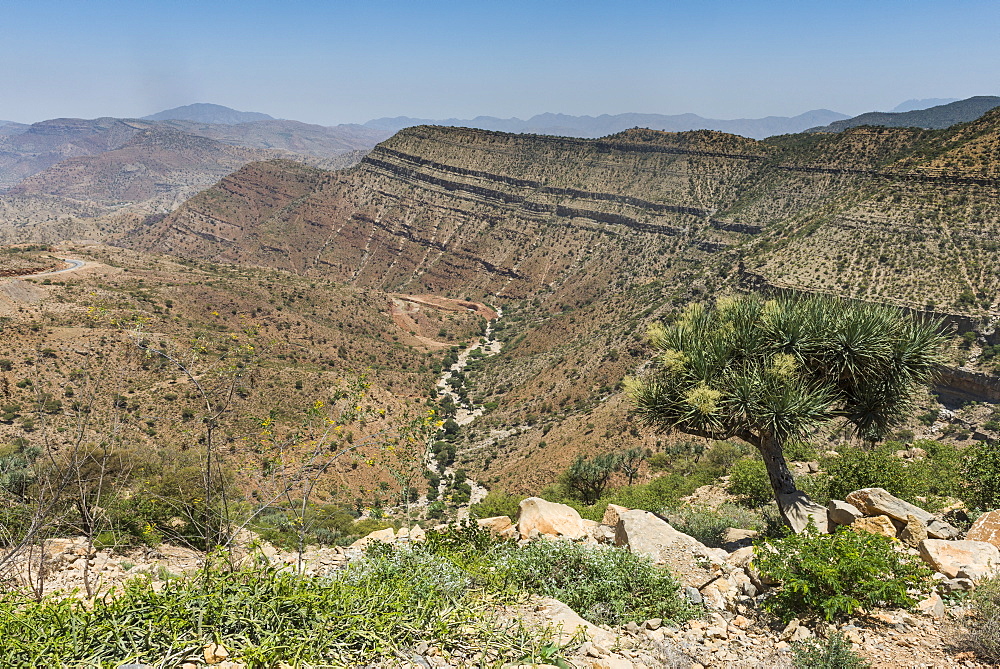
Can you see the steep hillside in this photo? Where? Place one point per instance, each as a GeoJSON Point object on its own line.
{"type": "Point", "coordinates": [486, 213]}
{"type": "Point", "coordinates": [913, 221]}
{"type": "Point", "coordinates": [155, 163]}
{"type": "Point", "coordinates": [46, 143]}
{"type": "Point", "coordinates": [281, 343]}
{"type": "Point", "coordinates": [511, 215]}
{"type": "Point", "coordinates": [584, 242]}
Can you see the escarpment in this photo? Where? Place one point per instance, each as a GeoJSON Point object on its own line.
{"type": "Point", "coordinates": [893, 214]}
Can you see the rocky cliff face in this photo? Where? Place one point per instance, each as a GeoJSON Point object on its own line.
{"type": "Point", "coordinates": [901, 215]}
{"type": "Point", "coordinates": [441, 209]}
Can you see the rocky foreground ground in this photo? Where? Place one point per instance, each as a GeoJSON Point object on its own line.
{"type": "Point", "coordinates": [732, 633]}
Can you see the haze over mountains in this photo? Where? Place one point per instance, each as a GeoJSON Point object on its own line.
{"type": "Point", "coordinates": [605, 124]}
{"type": "Point", "coordinates": [203, 112]}
{"type": "Point", "coordinates": [86, 169]}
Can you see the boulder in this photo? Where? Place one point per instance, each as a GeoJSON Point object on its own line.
{"type": "Point", "coordinates": [612, 513]}
{"type": "Point", "coordinates": [932, 606]}
{"type": "Point", "coordinates": [973, 560]}
{"type": "Point", "coordinates": [878, 502]}
{"type": "Point", "coordinates": [604, 534]}
{"type": "Point", "coordinates": [799, 510]}
{"type": "Point", "coordinates": [592, 528]}
{"type": "Point", "coordinates": [388, 535]}
{"type": "Point", "coordinates": [914, 532]}
{"type": "Point", "coordinates": [875, 525]}
{"type": "Point", "coordinates": [549, 519]}
{"type": "Point", "coordinates": [648, 534]}
{"type": "Point", "coordinates": [214, 653]}
{"type": "Point", "coordinates": [567, 624]}
{"type": "Point", "coordinates": [734, 538]}
{"type": "Point", "coordinates": [740, 558]}
{"type": "Point", "coordinates": [986, 528]}
{"type": "Point", "coordinates": [501, 526]}
{"type": "Point", "coordinates": [842, 513]}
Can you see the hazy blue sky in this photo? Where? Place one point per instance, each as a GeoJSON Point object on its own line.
{"type": "Point", "coordinates": [334, 62]}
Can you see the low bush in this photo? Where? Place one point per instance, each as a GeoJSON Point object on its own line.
{"type": "Point", "coordinates": [604, 584]}
{"type": "Point", "coordinates": [320, 525]}
{"type": "Point", "coordinates": [981, 468]}
{"type": "Point", "coordinates": [835, 575]}
{"type": "Point", "coordinates": [933, 478]}
{"type": "Point", "coordinates": [708, 525]}
{"type": "Point", "coordinates": [662, 491]}
{"type": "Point", "coordinates": [749, 482]}
{"type": "Point", "coordinates": [835, 652]}
{"type": "Point", "coordinates": [817, 486]}
{"type": "Point", "coordinates": [984, 625]}
{"type": "Point", "coordinates": [381, 607]}
{"type": "Point", "coordinates": [496, 503]}
{"type": "Point", "coordinates": [857, 468]}
{"type": "Point", "coordinates": [653, 496]}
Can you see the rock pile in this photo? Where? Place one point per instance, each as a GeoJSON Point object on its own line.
{"type": "Point", "coordinates": [960, 565]}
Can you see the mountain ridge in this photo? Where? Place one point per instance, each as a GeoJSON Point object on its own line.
{"type": "Point", "coordinates": [206, 112]}
{"type": "Point", "coordinates": [938, 117]}
{"type": "Point", "coordinates": [606, 124]}
{"type": "Point", "coordinates": [915, 104]}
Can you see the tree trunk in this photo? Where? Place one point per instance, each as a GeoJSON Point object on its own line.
{"type": "Point", "coordinates": [795, 506]}
{"type": "Point", "coordinates": [771, 449]}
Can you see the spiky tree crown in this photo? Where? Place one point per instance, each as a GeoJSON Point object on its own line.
{"type": "Point", "coordinates": [771, 368]}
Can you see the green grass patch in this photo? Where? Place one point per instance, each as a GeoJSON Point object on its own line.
{"type": "Point", "coordinates": [448, 593]}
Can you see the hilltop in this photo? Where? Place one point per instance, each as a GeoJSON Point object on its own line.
{"type": "Point", "coordinates": [939, 116]}
{"type": "Point", "coordinates": [203, 112]}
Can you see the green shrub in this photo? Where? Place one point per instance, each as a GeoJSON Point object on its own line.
{"type": "Point", "coordinates": [834, 653]}
{"type": "Point", "coordinates": [663, 491]}
{"type": "Point", "coordinates": [984, 625]}
{"type": "Point", "coordinates": [816, 486]}
{"type": "Point", "coordinates": [748, 480]}
{"type": "Point", "coordinates": [981, 467]}
{"type": "Point", "coordinates": [800, 451]}
{"type": "Point", "coordinates": [933, 478]}
{"type": "Point", "coordinates": [588, 477]}
{"type": "Point", "coordinates": [722, 455]}
{"type": "Point", "coordinates": [707, 525]}
{"type": "Point", "coordinates": [858, 468]}
{"type": "Point", "coordinates": [496, 503]}
{"type": "Point", "coordinates": [321, 525]}
{"type": "Point", "coordinates": [835, 575]}
{"type": "Point", "coordinates": [380, 607]}
{"type": "Point", "coordinates": [604, 584]}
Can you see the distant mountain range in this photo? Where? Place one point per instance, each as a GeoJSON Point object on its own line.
{"type": "Point", "coordinates": [203, 112]}
{"type": "Point", "coordinates": [941, 116]}
{"type": "Point", "coordinates": [911, 105]}
{"type": "Point", "coordinates": [600, 126]}
{"type": "Point", "coordinates": [89, 167]}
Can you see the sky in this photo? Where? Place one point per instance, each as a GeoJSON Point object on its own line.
{"type": "Point", "coordinates": [331, 62]}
